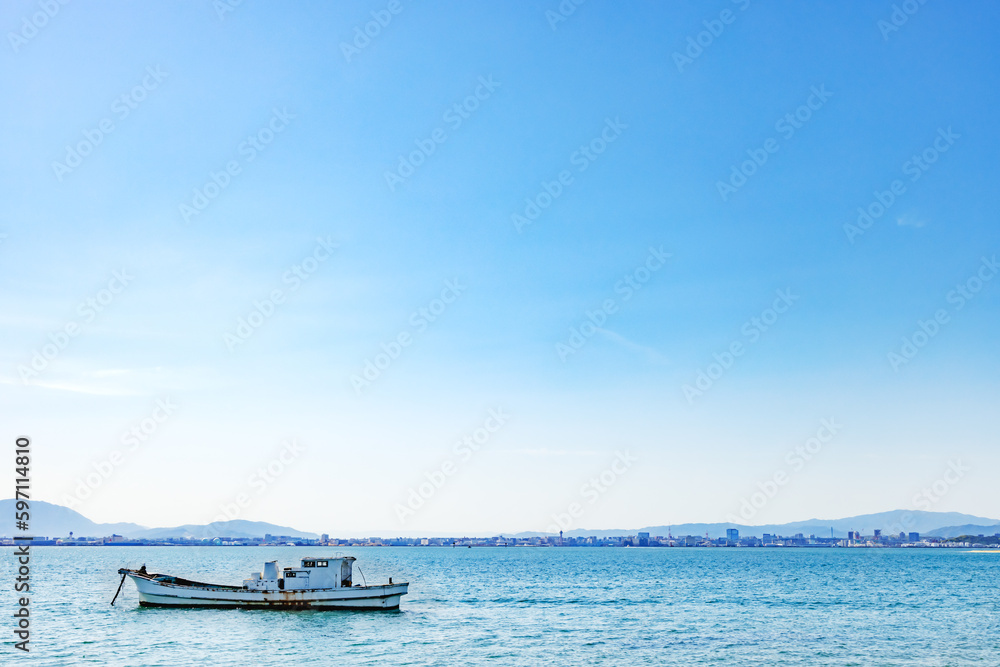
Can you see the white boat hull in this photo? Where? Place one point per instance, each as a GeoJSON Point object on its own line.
{"type": "Point", "coordinates": [160, 594]}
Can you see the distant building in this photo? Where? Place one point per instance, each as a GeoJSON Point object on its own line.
{"type": "Point", "coordinates": [878, 534]}
{"type": "Point", "coordinates": [643, 539]}
{"type": "Point", "coordinates": [325, 537]}
{"type": "Point", "coordinates": [914, 537]}
{"type": "Point", "coordinates": [732, 534]}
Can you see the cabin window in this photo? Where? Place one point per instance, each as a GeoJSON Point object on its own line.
{"type": "Point", "coordinates": [289, 574]}
{"type": "Point", "coordinates": [321, 563]}
{"type": "Point", "coordinates": [308, 563]}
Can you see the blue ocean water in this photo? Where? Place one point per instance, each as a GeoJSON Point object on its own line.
{"type": "Point", "coordinates": [517, 606]}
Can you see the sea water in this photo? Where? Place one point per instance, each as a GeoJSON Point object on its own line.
{"type": "Point", "coordinates": [525, 606]}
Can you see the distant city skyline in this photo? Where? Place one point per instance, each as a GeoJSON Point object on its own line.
{"type": "Point", "coordinates": [54, 522]}
{"type": "Point", "coordinates": [501, 267]}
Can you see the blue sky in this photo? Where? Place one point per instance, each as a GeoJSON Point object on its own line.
{"type": "Point", "coordinates": [329, 127]}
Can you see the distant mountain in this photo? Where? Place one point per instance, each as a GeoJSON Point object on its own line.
{"type": "Point", "coordinates": [50, 520]}
{"type": "Point", "coordinates": [236, 528]}
{"type": "Point", "coordinates": [966, 529]}
{"type": "Point", "coordinates": [54, 521]}
{"type": "Point", "coordinates": [892, 522]}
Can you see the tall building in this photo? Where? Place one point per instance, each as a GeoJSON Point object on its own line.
{"type": "Point", "coordinates": [878, 534]}
{"type": "Point", "coordinates": [914, 537]}
{"type": "Point", "coordinates": [732, 534]}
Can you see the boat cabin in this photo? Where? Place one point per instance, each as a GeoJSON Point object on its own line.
{"type": "Point", "coordinates": [312, 574]}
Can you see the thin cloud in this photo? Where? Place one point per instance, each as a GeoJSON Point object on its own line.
{"type": "Point", "coordinates": [545, 451]}
{"type": "Point", "coordinates": [114, 381]}
{"type": "Point", "coordinates": [95, 390]}
{"type": "Point", "coordinates": [652, 355]}
{"type": "Point", "coordinates": [909, 221]}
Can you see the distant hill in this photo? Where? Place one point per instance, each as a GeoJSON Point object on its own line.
{"type": "Point", "coordinates": [967, 529]}
{"type": "Point", "coordinates": [236, 528]}
{"type": "Point", "coordinates": [894, 522]}
{"type": "Point", "coordinates": [50, 520]}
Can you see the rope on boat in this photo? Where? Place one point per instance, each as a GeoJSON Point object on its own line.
{"type": "Point", "coordinates": [363, 577]}
{"type": "Point", "coordinates": [118, 591]}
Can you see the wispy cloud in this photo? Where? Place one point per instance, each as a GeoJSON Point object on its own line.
{"type": "Point", "coordinates": [909, 220]}
{"type": "Point", "coordinates": [117, 381]}
{"type": "Point", "coordinates": [652, 355]}
{"type": "Point", "coordinates": [546, 452]}
{"type": "Point", "coordinates": [75, 387]}
{"type": "Point", "coordinates": [93, 389]}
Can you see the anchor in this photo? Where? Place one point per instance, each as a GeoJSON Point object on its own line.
{"type": "Point", "coordinates": [119, 590]}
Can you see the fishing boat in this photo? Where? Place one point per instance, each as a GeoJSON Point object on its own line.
{"type": "Point", "coordinates": [319, 583]}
